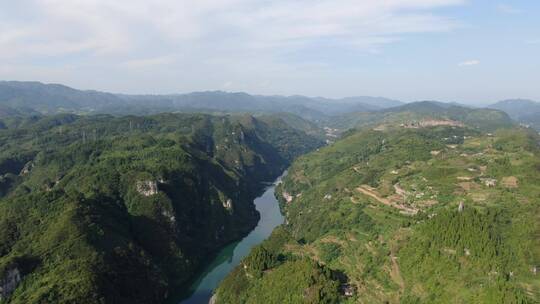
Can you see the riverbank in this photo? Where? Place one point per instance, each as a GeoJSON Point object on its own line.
{"type": "Point", "coordinates": [228, 258]}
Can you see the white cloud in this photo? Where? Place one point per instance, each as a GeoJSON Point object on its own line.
{"type": "Point", "coordinates": [508, 9]}
{"type": "Point", "coordinates": [227, 85]}
{"type": "Point", "coordinates": [148, 62]}
{"type": "Point", "coordinates": [108, 27]}
{"type": "Point", "coordinates": [469, 63]}
{"type": "Point", "coordinates": [180, 37]}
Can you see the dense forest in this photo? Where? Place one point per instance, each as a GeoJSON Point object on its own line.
{"type": "Point", "coordinates": [439, 214]}
{"type": "Point", "coordinates": [407, 203]}
{"type": "Point", "coordinates": [103, 209]}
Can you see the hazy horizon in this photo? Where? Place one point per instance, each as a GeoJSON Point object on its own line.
{"type": "Point", "coordinates": [477, 104]}
{"type": "Point", "coordinates": [471, 52]}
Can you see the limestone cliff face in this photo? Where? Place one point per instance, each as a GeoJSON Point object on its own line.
{"type": "Point", "coordinates": [228, 204]}
{"type": "Point", "coordinates": [9, 282]}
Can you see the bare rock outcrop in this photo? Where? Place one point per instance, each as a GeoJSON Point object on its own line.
{"type": "Point", "coordinates": [169, 216]}
{"type": "Point", "coordinates": [147, 187]}
{"type": "Point", "coordinates": [228, 204]}
{"type": "Point", "coordinates": [9, 282]}
{"type": "Point", "coordinates": [27, 168]}
{"type": "Point", "coordinates": [288, 197]}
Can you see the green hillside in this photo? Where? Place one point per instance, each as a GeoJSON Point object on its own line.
{"type": "Point", "coordinates": [522, 110]}
{"type": "Point", "coordinates": [406, 215]}
{"type": "Point", "coordinates": [100, 209]}
{"type": "Point", "coordinates": [477, 118]}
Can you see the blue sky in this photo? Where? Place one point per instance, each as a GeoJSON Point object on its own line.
{"type": "Point", "coordinates": [449, 50]}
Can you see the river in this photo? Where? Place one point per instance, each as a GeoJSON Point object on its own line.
{"type": "Point", "coordinates": [229, 257]}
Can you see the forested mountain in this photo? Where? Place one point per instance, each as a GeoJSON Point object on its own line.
{"type": "Point", "coordinates": [517, 108]}
{"type": "Point", "coordinates": [11, 112]}
{"type": "Point", "coordinates": [102, 209]}
{"type": "Point", "coordinates": [416, 112]}
{"type": "Point", "coordinates": [425, 202]}
{"type": "Point", "coordinates": [430, 214]}
{"type": "Point", "coordinates": [522, 110]}
{"type": "Point", "coordinates": [31, 98]}
{"type": "Point", "coordinates": [376, 102]}
{"type": "Point", "coordinates": [53, 98]}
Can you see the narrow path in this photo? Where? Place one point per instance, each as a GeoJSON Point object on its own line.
{"type": "Point", "coordinates": [395, 273]}
{"type": "Point", "coordinates": [369, 191]}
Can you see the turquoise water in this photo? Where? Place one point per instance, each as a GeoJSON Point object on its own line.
{"type": "Point", "coordinates": [229, 257]}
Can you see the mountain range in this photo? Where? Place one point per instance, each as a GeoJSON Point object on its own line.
{"type": "Point", "coordinates": [54, 98]}
{"type": "Point", "coordinates": [523, 110]}
{"type": "Point", "coordinates": [19, 99]}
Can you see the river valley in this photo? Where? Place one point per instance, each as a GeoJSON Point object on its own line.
{"type": "Point", "coordinates": [229, 257]}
